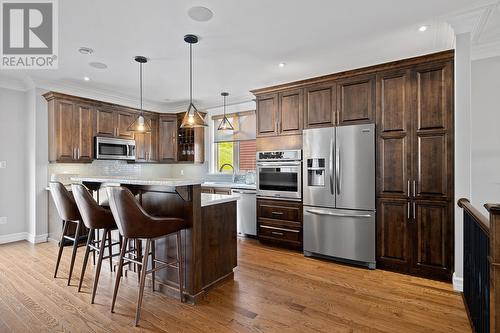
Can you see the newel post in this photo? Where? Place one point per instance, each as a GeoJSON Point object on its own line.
{"type": "Point", "coordinates": [494, 210]}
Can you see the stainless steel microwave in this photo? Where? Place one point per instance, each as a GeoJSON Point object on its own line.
{"type": "Point", "coordinates": [114, 149]}
{"type": "Point", "coordinates": [279, 174]}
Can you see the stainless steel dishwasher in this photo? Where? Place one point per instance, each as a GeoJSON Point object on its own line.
{"type": "Point", "coordinates": [246, 212]}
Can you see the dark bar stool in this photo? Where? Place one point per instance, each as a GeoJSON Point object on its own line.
{"type": "Point", "coordinates": [134, 223]}
{"type": "Point", "coordinates": [96, 219]}
{"type": "Point", "coordinates": [68, 212]}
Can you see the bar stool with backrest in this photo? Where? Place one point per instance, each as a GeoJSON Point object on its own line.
{"type": "Point", "coordinates": [68, 212]}
{"type": "Point", "coordinates": [134, 223]}
{"type": "Point", "coordinates": [96, 219]}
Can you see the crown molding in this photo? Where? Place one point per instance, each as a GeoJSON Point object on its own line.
{"type": "Point", "coordinates": [104, 95]}
{"type": "Point", "coordinates": [472, 20]}
{"type": "Point", "coordinates": [485, 50]}
{"type": "Point", "coordinates": [181, 106]}
{"type": "Point", "coordinates": [12, 83]}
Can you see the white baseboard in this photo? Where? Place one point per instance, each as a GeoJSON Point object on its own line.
{"type": "Point", "coordinates": [10, 238]}
{"type": "Point", "coordinates": [458, 283]}
{"type": "Point", "coordinates": [35, 239]}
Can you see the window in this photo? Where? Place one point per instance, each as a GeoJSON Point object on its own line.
{"type": "Point", "coordinates": [236, 147]}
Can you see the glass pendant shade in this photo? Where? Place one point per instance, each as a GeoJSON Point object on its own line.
{"type": "Point", "coordinates": [140, 125]}
{"type": "Point", "coordinates": [225, 124]}
{"type": "Point", "coordinates": [192, 117]}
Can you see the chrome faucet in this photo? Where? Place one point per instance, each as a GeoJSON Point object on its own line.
{"type": "Point", "coordinates": [229, 165]}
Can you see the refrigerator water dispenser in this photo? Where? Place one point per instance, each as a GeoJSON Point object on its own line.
{"type": "Point", "coordinates": [315, 172]}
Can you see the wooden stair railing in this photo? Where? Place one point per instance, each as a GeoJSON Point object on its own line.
{"type": "Point", "coordinates": [482, 267]}
{"type": "Point", "coordinates": [494, 259]}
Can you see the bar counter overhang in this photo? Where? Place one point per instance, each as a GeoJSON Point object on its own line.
{"type": "Point", "coordinates": [209, 243]}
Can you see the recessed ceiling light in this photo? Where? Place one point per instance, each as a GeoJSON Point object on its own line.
{"type": "Point", "coordinates": [423, 28]}
{"type": "Point", "coordinates": [200, 14]}
{"type": "Point", "coordinates": [85, 50]}
{"type": "Point", "coordinates": [86, 78]}
{"type": "Point", "coordinates": [281, 64]}
{"type": "Point", "coordinates": [98, 65]}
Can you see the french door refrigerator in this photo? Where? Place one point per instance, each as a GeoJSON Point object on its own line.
{"type": "Point", "coordinates": [339, 193]}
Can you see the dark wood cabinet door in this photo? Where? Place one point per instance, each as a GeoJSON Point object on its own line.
{"type": "Point", "coordinates": [290, 112]}
{"type": "Point", "coordinates": [146, 143]}
{"type": "Point", "coordinates": [393, 133]}
{"type": "Point", "coordinates": [167, 144]}
{"type": "Point", "coordinates": [320, 105]}
{"type": "Point", "coordinates": [267, 115]}
{"type": "Point", "coordinates": [356, 100]}
{"type": "Point", "coordinates": [105, 122]}
{"type": "Point", "coordinates": [84, 132]}
{"type": "Point", "coordinates": [393, 247]}
{"type": "Point", "coordinates": [64, 131]}
{"type": "Point", "coordinates": [123, 119]}
{"type": "Point", "coordinates": [433, 239]}
{"type": "Point", "coordinates": [433, 131]}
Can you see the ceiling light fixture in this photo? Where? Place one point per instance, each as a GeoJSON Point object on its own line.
{"type": "Point", "coordinates": [200, 14]}
{"type": "Point", "coordinates": [225, 124]}
{"type": "Point", "coordinates": [86, 78]}
{"type": "Point", "coordinates": [281, 64]}
{"type": "Point", "coordinates": [85, 50]}
{"type": "Point", "coordinates": [423, 28]}
{"type": "Point", "coordinates": [139, 124]}
{"type": "Point", "coordinates": [192, 118]}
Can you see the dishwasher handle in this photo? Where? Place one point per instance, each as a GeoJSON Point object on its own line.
{"type": "Point", "coordinates": [244, 191]}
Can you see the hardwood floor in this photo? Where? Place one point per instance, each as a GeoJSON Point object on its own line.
{"type": "Point", "coordinates": [274, 291]}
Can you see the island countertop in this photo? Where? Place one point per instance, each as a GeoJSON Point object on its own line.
{"type": "Point", "coordinates": [209, 199]}
{"type": "Point", "coordinates": [171, 182]}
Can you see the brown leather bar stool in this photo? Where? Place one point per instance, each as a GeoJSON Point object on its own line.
{"type": "Point", "coordinates": [134, 223]}
{"type": "Point", "coordinates": [96, 219]}
{"type": "Point", "coordinates": [68, 212]}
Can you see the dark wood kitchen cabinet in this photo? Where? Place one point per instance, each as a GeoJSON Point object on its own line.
{"type": "Point", "coordinates": [415, 170]}
{"type": "Point", "coordinates": [356, 100]}
{"type": "Point", "coordinates": [146, 144]}
{"type": "Point", "coordinates": [123, 119]}
{"type": "Point", "coordinates": [71, 131]}
{"type": "Point", "coordinates": [280, 222]}
{"type": "Point", "coordinates": [167, 141]}
{"type": "Point", "coordinates": [280, 113]}
{"type": "Point", "coordinates": [113, 122]}
{"type": "Point", "coordinates": [320, 105]}
{"type": "Point", "coordinates": [267, 115]}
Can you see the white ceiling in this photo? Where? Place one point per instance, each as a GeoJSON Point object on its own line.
{"type": "Point", "coordinates": [240, 48]}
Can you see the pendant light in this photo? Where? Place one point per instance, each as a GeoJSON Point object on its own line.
{"type": "Point", "coordinates": [192, 118]}
{"type": "Point", "coordinates": [140, 125]}
{"type": "Point", "coordinates": [225, 124]}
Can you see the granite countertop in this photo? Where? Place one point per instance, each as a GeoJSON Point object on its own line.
{"type": "Point", "coordinates": [208, 199]}
{"type": "Point", "coordinates": [138, 181]}
{"type": "Point", "coordinates": [229, 185]}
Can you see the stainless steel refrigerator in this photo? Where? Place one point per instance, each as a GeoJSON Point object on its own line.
{"type": "Point", "coordinates": [339, 193]}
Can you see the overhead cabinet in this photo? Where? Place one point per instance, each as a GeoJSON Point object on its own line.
{"type": "Point", "coordinates": [74, 122]}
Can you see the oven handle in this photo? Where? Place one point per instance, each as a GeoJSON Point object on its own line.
{"type": "Point", "coordinates": [278, 164]}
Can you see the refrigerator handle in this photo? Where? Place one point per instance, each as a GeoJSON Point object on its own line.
{"type": "Point", "coordinates": [337, 168]}
{"type": "Point", "coordinates": [330, 162]}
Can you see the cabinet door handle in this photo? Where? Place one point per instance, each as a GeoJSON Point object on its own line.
{"type": "Point", "coordinates": [78, 153]}
{"type": "Point", "coordinates": [277, 213]}
{"type": "Point", "coordinates": [277, 233]}
{"type": "Point", "coordinates": [408, 211]}
{"type": "Point", "coordinates": [414, 188]}
{"type": "Point", "coordinates": [414, 209]}
{"type": "Point", "coordinates": [74, 154]}
{"type": "Point", "coordinates": [408, 187]}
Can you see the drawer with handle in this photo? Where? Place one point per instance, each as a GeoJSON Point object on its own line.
{"type": "Point", "coordinates": [281, 234]}
{"type": "Point", "coordinates": [279, 210]}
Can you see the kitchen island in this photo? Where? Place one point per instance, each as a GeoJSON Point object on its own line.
{"type": "Point", "coordinates": [209, 243]}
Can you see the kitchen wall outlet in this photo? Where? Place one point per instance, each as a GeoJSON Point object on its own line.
{"type": "Point", "coordinates": [182, 172]}
{"type": "Point", "coordinates": [3, 164]}
{"type": "Point", "coordinates": [3, 219]}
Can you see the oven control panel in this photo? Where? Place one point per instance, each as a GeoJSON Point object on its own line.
{"type": "Point", "coordinates": [280, 155]}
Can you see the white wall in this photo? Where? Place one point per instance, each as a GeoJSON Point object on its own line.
{"type": "Point", "coordinates": [485, 133]}
{"type": "Point", "coordinates": [12, 150]}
